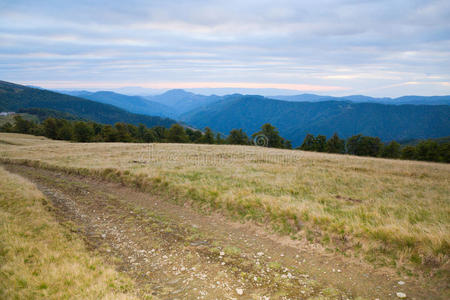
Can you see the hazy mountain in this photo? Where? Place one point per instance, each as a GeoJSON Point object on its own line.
{"type": "Point", "coordinates": [181, 101]}
{"type": "Point", "coordinates": [296, 119]}
{"type": "Point", "coordinates": [134, 104]}
{"type": "Point", "coordinates": [14, 97]}
{"type": "Point", "coordinates": [416, 100]}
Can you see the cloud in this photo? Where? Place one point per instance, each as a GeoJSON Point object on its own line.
{"type": "Point", "coordinates": [349, 45]}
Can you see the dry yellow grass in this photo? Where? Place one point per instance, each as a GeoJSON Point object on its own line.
{"type": "Point", "coordinates": [391, 212]}
{"type": "Point", "coordinates": [39, 259]}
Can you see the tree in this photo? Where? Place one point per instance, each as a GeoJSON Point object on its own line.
{"type": "Point", "coordinates": [50, 128]}
{"type": "Point", "coordinates": [21, 125]}
{"type": "Point", "coordinates": [364, 145]}
{"type": "Point", "coordinates": [176, 134]}
{"type": "Point", "coordinates": [392, 150]}
{"type": "Point", "coordinates": [237, 137]}
{"type": "Point", "coordinates": [409, 152]}
{"type": "Point", "coordinates": [122, 132]}
{"type": "Point", "coordinates": [320, 143]}
{"type": "Point", "coordinates": [428, 150]}
{"type": "Point", "coordinates": [308, 143]}
{"type": "Point", "coordinates": [109, 134]}
{"type": "Point", "coordinates": [335, 144]}
{"type": "Point", "coordinates": [194, 135]}
{"type": "Point", "coordinates": [208, 136]}
{"type": "Point", "coordinates": [65, 132]}
{"type": "Point", "coordinates": [271, 135]}
{"type": "Point", "coordinates": [83, 132]}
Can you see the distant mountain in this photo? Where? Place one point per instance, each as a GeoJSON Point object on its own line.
{"type": "Point", "coordinates": [134, 104]}
{"type": "Point", "coordinates": [14, 97]}
{"type": "Point", "coordinates": [181, 101]}
{"type": "Point", "coordinates": [415, 100]}
{"type": "Point", "coordinates": [295, 119]}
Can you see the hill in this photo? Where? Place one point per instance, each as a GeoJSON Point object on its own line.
{"type": "Point", "coordinates": [134, 104]}
{"type": "Point", "coordinates": [295, 119]}
{"type": "Point", "coordinates": [415, 100]}
{"type": "Point", "coordinates": [14, 97]}
{"type": "Point", "coordinates": [181, 101]}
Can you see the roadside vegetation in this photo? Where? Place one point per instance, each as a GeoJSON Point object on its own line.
{"type": "Point", "coordinates": [389, 212]}
{"type": "Point", "coordinates": [40, 259]}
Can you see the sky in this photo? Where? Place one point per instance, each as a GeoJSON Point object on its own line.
{"type": "Point", "coordinates": [332, 47]}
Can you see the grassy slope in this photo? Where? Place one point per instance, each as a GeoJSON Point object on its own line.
{"type": "Point", "coordinates": [41, 259]}
{"type": "Point", "coordinates": [391, 212]}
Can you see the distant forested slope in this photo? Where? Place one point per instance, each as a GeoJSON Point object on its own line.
{"type": "Point", "coordinates": [14, 97]}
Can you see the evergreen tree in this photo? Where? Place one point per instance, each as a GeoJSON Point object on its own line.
{"type": "Point", "coordinates": [208, 136]}
{"type": "Point", "coordinates": [308, 143]}
{"type": "Point", "coordinates": [335, 144]}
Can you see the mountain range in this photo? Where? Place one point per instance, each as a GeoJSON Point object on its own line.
{"type": "Point", "coordinates": [294, 116]}
{"type": "Point", "coordinates": [14, 97]}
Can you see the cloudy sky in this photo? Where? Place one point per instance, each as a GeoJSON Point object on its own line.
{"type": "Point", "coordinates": [333, 47]}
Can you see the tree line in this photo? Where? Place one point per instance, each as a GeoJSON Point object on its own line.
{"type": "Point", "coordinates": [427, 150]}
{"type": "Point", "coordinates": [88, 131]}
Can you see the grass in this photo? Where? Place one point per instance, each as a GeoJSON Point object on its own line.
{"type": "Point", "coordinates": [40, 259]}
{"type": "Point", "coordinates": [390, 212]}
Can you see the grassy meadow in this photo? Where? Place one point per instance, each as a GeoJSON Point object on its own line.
{"type": "Point", "coordinates": [40, 259]}
{"type": "Point", "coordinates": [388, 212]}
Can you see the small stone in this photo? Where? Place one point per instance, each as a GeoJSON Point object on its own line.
{"type": "Point", "coordinates": [401, 282]}
{"type": "Point", "coordinates": [103, 236]}
{"type": "Point", "coordinates": [239, 291]}
{"type": "Point", "coordinates": [260, 253]}
{"type": "Point", "coordinates": [401, 295]}
{"type": "Point", "coordinates": [222, 253]}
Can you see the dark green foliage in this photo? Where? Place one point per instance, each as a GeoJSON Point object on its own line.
{"type": "Point", "coordinates": [82, 132]}
{"type": "Point", "coordinates": [392, 150]}
{"type": "Point", "coordinates": [312, 143]}
{"type": "Point", "coordinates": [177, 134]}
{"type": "Point", "coordinates": [409, 152]}
{"type": "Point", "coordinates": [194, 135]}
{"type": "Point", "coordinates": [364, 145]}
{"type": "Point", "coordinates": [335, 144]}
{"type": "Point", "coordinates": [237, 137]}
{"type": "Point", "coordinates": [274, 140]}
{"type": "Point", "coordinates": [22, 126]}
{"type": "Point", "coordinates": [207, 137]}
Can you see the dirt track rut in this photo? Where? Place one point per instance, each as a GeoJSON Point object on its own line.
{"type": "Point", "coordinates": [173, 252]}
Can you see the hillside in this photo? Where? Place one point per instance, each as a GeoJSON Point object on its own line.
{"type": "Point", "coordinates": [182, 102]}
{"type": "Point", "coordinates": [415, 100]}
{"type": "Point", "coordinates": [134, 104]}
{"type": "Point", "coordinates": [14, 97]}
{"type": "Point", "coordinates": [356, 223]}
{"type": "Point", "coordinates": [295, 119]}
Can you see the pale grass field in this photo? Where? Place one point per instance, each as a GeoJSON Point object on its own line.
{"type": "Point", "coordinates": [390, 212]}
{"type": "Point", "coordinates": [40, 259]}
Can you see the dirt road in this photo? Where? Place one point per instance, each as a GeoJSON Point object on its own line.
{"type": "Point", "coordinates": [173, 252]}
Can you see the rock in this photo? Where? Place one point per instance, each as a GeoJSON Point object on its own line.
{"type": "Point", "coordinates": [260, 253]}
{"type": "Point", "coordinates": [239, 291]}
{"type": "Point", "coordinates": [401, 282]}
{"type": "Point", "coordinates": [401, 295]}
{"type": "Point", "coordinates": [103, 235]}
{"type": "Point", "coordinates": [222, 253]}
